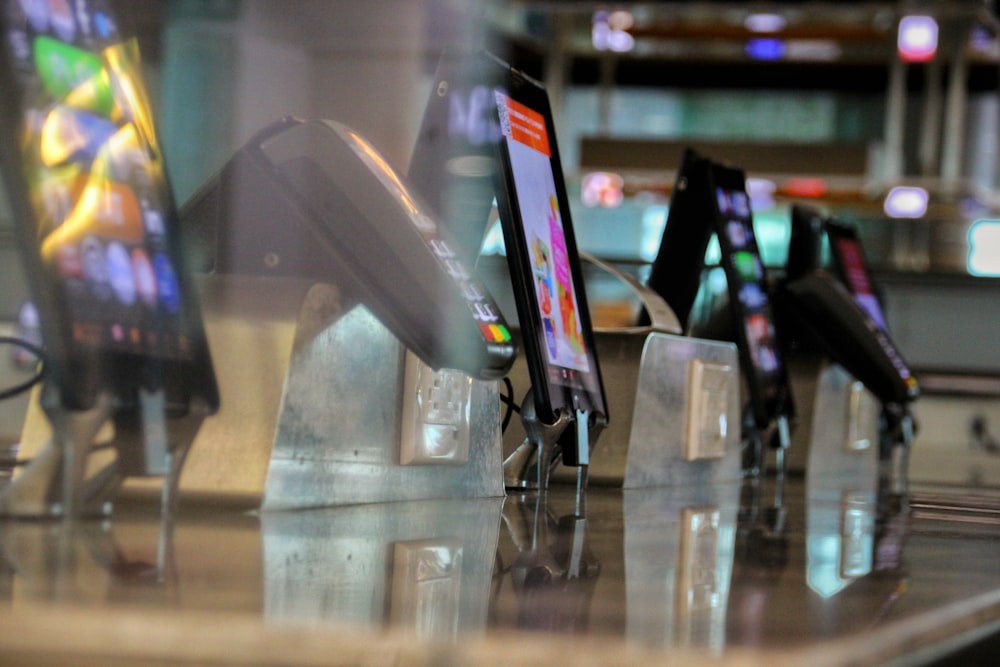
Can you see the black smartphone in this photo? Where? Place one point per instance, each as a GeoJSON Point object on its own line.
{"type": "Point", "coordinates": [542, 255]}
{"type": "Point", "coordinates": [94, 211]}
{"type": "Point", "coordinates": [750, 304]}
{"type": "Point", "coordinates": [314, 199]}
{"type": "Point", "coordinates": [676, 273]}
{"type": "Point", "coordinates": [453, 163]}
{"type": "Point", "coordinates": [824, 312]}
{"type": "Point", "coordinates": [851, 267]}
{"type": "Point", "coordinates": [805, 241]}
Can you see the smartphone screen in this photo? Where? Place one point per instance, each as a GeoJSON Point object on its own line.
{"type": "Point", "coordinates": [82, 157]}
{"type": "Point", "coordinates": [762, 358]}
{"type": "Point", "coordinates": [852, 268]}
{"type": "Point", "coordinates": [541, 251]}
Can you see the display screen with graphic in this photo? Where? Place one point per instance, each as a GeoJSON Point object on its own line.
{"type": "Point", "coordinates": [541, 250]}
{"type": "Point", "coordinates": [756, 333]}
{"type": "Point", "coordinates": [87, 155]}
{"type": "Point", "coordinates": [853, 269]}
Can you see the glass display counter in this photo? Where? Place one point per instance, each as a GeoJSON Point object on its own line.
{"type": "Point", "coordinates": [818, 571]}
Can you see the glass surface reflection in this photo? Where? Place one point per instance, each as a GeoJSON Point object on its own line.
{"type": "Point", "coordinates": [767, 565]}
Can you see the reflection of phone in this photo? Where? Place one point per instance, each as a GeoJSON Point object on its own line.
{"type": "Point", "coordinates": [453, 161]}
{"type": "Point", "coordinates": [750, 304]}
{"type": "Point", "coordinates": [90, 197]}
{"type": "Point", "coordinates": [314, 199]}
{"type": "Point", "coordinates": [543, 258]}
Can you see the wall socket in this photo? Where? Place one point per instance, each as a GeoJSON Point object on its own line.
{"type": "Point", "coordinates": [436, 414]}
{"type": "Point", "coordinates": [709, 385]}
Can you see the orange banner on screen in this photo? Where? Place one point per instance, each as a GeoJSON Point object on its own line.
{"type": "Point", "coordinates": [528, 127]}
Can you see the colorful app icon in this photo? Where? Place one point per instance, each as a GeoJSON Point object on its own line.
{"type": "Point", "coordinates": [145, 279]}
{"type": "Point", "coordinates": [61, 19]}
{"type": "Point", "coordinates": [166, 283]}
{"type": "Point", "coordinates": [737, 234]}
{"type": "Point", "coordinates": [95, 267]}
{"type": "Point", "coordinates": [752, 296]}
{"type": "Point", "coordinates": [37, 13]}
{"type": "Point", "coordinates": [106, 209]}
{"type": "Point", "coordinates": [748, 266]}
{"type": "Point", "coordinates": [74, 77]}
{"type": "Point", "coordinates": [73, 135]}
{"type": "Point", "coordinates": [104, 24]}
{"type": "Point", "coordinates": [120, 273]}
{"type": "Point", "coordinates": [70, 261]}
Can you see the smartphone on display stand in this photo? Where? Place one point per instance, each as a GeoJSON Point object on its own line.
{"type": "Point", "coordinates": [757, 337]}
{"type": "Point", "coordinates": [545, 266]}
{"type": "Point", "coordinates": [94, 211]}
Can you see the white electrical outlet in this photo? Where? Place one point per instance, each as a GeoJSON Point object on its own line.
{"type": "Point", "coordinates": [709, 385]}
{"type": "Point", "coordinates": [436, 413]}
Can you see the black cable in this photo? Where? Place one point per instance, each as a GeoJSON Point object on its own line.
{"type": "Point", "coordinates": [39, 353]}
{"type": "Point", "coordinates": [509, 404]}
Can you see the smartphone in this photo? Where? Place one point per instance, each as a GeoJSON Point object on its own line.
{"type": "Point", "coordinates": [851, 267]}
{"type": "Point", "coordinates": [676, 272]}
{"type": "Point", "coordinates": [94, 211]}
{"type": "Point", "coordinates": [542, 255]}
{"type": "Point", "coordinates": [314, 199]}
{"type": "Point", "coordinates": [750, 303]}
{"type": "Point", "coordinates": [453, 162]}
{"type": "Point", "coordinates": [833, 321]}
{"type": "Point", "coordinates": [805, 243]}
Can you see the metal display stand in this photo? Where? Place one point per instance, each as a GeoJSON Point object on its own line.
{"type": "Point", "coordinates": [673, 401]}
{"type": "Point", "coordinates": [68, 473]}
{"type": "Point", "coordinates": [313, 404]}
{"type": "Point", "coordinates": [838, 418]}
{"type": "Point", "coordinates": [312, 415]}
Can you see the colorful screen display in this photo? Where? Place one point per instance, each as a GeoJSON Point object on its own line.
{"type": "Point", "coordinates": [96, 177]}
{"type": "Point", "coordinates": [855, 275]}
{"type": "Point", "coordinates": [527, 141]}
{"type": "Point", "coordinates": [746, 267]}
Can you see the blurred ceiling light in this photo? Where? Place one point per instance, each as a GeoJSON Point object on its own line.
{"type": "Point", "coordinates": [761, 191]}
{"type": "Point", "coordinates": [765, 48]}
{"type": "Point", "coordinates": [812, 49]}
{"type": "Point", "coordinates": [621, 20]}
{"type": "Point", "coordinates": [918, 38]}
{"type": "Point", "coordinates": [906, 202]}
{"type": "Point", "coordinates": [602, 188]}
{"type": "Point", "coordinates": [609, 31]}
{"type": "Point", "coordinates": [765, 22]}
{"type": "Point", "coordinates": [805, 187]}
{"type": "Point", "coordinates": [984, 248]}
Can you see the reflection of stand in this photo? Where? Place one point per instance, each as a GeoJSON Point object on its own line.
{"type": "Point", "coordinates": [74, 561]}
{"type": "Point", "coordinates": [552, 577]}
{"type": "Point", "coordinates": [779, 438]}
{"type": "Point", "coordinates": [57, 481]}
{"type": "Point", "coordinates": [896, 435]}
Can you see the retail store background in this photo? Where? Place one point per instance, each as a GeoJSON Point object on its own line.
{"type": "Point", "coordinates": [221, 69]}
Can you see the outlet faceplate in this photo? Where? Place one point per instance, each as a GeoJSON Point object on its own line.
{"type": "Point", "coordinates": [707, 408]}
{"type": "Point", "coordinates": [436, 414]}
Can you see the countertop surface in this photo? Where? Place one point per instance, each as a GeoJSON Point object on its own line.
{"type": "Point", "coordinates": [811, 571]}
